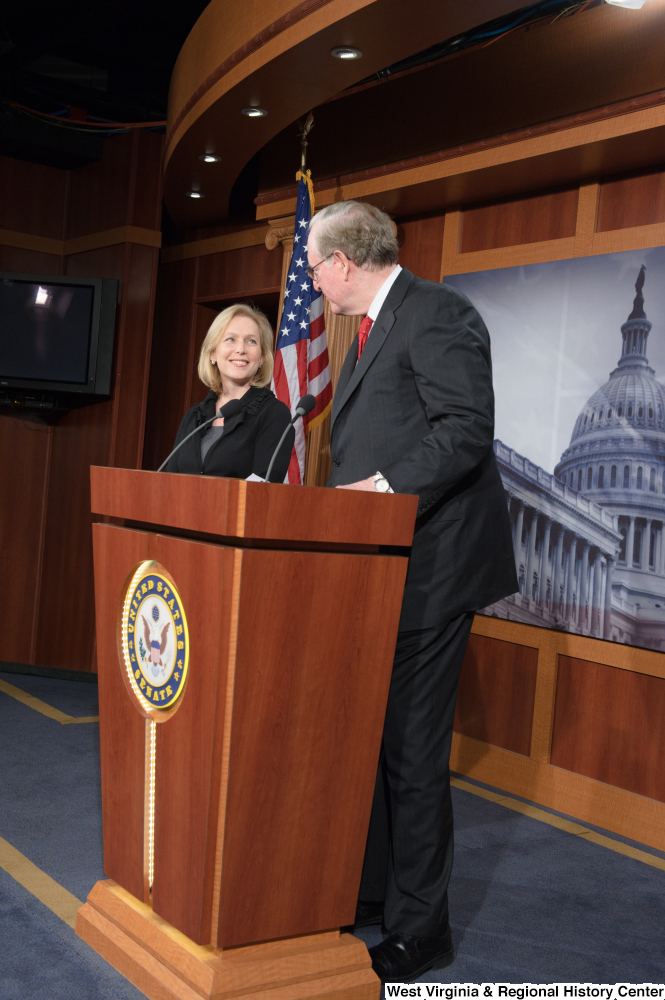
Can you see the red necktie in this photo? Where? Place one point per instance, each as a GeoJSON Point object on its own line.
{"type": "Point", "coordinates": [363, 333]}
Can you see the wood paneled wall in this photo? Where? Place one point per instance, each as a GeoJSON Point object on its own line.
{"type": "Point", "coordinates": [608, 725]}
{"type": "Point", "coordinates": [584, 712]}
{"type": "Point", "coordinates": [532, 704]}
{"type": "Point", "coordinates": [45, 521]}
{"type": "Point", "coordinates": [636, 200]}
{"type": "Point", "coordinates": [497, 691]}
{"type": "Point", "coordinates": [172, 358]}
{"type": "Point", "coordinates": [549, 216]}
{"type": "Point", "coordinates": [571, 722]}
{"type": "Point", "coordinates": [34, 198]}
{"type": "Point", "coordinates": [25, 460]}
{"type": "Point", "coordinates": [590, 736]}
{"type": "Point", "coordinates": [190, 292]}
{"type": "Point", "coordinates": [420, 245]}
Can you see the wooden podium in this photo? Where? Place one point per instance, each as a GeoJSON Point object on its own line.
{"type": "Point", "coordinates": [235, 824]}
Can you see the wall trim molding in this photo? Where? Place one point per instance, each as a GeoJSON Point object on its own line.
{"type": "Point", "coordinates": [514, 256]}
{"type": "Point", "coordinates": [614, 809]}
{"type": "Point", "coordinates": [581, 647]}
{"type": "Point", "coordinates": [582, 244]}
{"type": "Point", "coordinates": [542, 144]}
{"type": "Point", "coordinates": [651, 100]}
{"type": "Point", "coordinates": [551, 644]}
{"type": "Point", "coordinates": [534, 777]}
{"type": "Point", "coordinates": [216, 244]}
{"type": "Point", "coordinates": [260, 39]}
{"type": "Point", "coordinates": [636, 238]}
{"type": "Point", "coordinates": [81, 244]}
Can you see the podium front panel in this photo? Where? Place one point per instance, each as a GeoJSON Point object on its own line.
{"type": "Point", "coordinates": [316, 637]}
{"type": "Point", "coordinates": [121, 728]}
{"type": "Point", "coordinates": [189, 745]}
{"type": "Point", "coordinates": [240, 814]}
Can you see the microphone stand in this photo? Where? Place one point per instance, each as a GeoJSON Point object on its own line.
{"type": "Point", "coordinates": [279, 445]}
{"type": "Point", "coordinates": [306, 404]}
{"type": "Point", "coordinates": [229, 410]}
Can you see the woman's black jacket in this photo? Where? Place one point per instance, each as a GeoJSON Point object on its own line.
{"type": "Point", "coordinates": [248, 441]}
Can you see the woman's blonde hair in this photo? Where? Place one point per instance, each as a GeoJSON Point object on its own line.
{"type": "Point", "coordinates": [209, 373]}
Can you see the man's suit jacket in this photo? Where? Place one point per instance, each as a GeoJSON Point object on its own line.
{"type": "Point", "coordinates": [419, 407]}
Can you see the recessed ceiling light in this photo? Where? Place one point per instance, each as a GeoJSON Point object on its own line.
{"type": "Point", "coordinates": [254, 112]}
{"type": "Point", "coordinates": [345, 52]}
{"type": "Point", "coordinates": [210, 158]}
{"type": "Point", "coordinates": [634, 4]}
{"type": "Point", "coordinates": [193, 194]}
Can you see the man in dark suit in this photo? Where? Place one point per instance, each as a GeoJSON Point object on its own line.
{"type": "Point", "coordinates": [414, 413]}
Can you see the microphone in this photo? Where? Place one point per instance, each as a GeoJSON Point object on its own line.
{"type": "Point", "coordinates": [305, 406]}
{"type": "Point", "coordinates": [228, 410]}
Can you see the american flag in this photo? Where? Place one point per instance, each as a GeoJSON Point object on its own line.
{"type": "Point", "coordinates": [301, 355]}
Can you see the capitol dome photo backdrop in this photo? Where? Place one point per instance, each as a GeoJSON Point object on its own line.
{"type": "Point", "coordinates": [578, 349]}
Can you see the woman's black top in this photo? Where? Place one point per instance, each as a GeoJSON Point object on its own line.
{"type": "Point", "coordinates": [248, 441]}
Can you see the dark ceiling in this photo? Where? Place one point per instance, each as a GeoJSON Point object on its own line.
{"type": "Point", "coordinates": [113, 58]}
{"type": "Point", "coordinates": [108, 61]}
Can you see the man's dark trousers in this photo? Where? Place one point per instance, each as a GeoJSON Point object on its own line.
{"type": "Point", "coordinates": [409, 853]}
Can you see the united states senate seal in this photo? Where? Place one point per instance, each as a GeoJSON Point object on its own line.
{"type": "Point", "coordinates": [153, 639]}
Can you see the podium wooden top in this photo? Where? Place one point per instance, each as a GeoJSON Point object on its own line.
{"type": "Point", "coordinates": [245, 512]}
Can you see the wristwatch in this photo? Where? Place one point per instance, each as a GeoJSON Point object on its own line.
{"type": "Point", "coordinates": [381, 484]}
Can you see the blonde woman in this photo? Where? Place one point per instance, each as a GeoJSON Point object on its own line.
{"type": "Point", "coordinates": [236, 362]}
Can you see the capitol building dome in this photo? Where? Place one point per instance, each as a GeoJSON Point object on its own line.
{"type": "Point", "coordinates": [616, 457]}
{"type": "Point", "coordinates": [630, 399]}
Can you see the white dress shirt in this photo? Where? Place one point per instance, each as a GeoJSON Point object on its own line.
{"type": "Point", "coordinates": [380, 296]}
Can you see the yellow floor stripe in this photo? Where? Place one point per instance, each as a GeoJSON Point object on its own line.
{"type": "Point", "coordinates": [561, 824]}
{"type": "Point", "coordinates": [37, 882]}
{"type": "Point", "coordinates": [41, 706]}
{"type": "Point", "coordinates": [65, 905]}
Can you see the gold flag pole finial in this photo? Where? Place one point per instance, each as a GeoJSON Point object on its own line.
{"type": "Point", "coordinates": [307, 127]}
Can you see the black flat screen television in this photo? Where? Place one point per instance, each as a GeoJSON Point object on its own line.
{"type": "Point", "coordinates": [56, 337]}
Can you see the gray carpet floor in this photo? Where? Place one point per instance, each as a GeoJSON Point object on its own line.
{"type": "Point", "coordinates": [528, 902]}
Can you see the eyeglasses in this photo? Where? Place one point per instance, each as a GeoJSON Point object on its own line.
{"type": "Point", "coordinates": [311, 271]}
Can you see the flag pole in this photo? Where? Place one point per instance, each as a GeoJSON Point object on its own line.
{"type": "Point", "coordinates": [303, 173]}
{"type": "Point", "coordinates": [307, 128]}
{"type": "Point", "coordinates": [307, 177]}
{"type": "Point", "coordinates": [301, 353]}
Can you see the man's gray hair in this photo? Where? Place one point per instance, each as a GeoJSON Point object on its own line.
{"type": "Point", "coordinates": [364, 233]}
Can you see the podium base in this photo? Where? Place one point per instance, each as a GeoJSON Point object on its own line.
{"type": "Point", "coordinates": [166, 965]}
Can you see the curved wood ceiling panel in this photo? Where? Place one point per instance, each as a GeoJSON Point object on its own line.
{"type": "Point", "coordinates": [561, 75]}
{"type": "Point", "coordinates": [224, 38]}
{"type": "Point", "coordinates": [276, 54]}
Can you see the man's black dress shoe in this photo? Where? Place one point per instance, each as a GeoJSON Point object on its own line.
{"type": "Point", "coordinates": [402, 958]}
{"type": "Point", "coordinates": [368, 914]}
